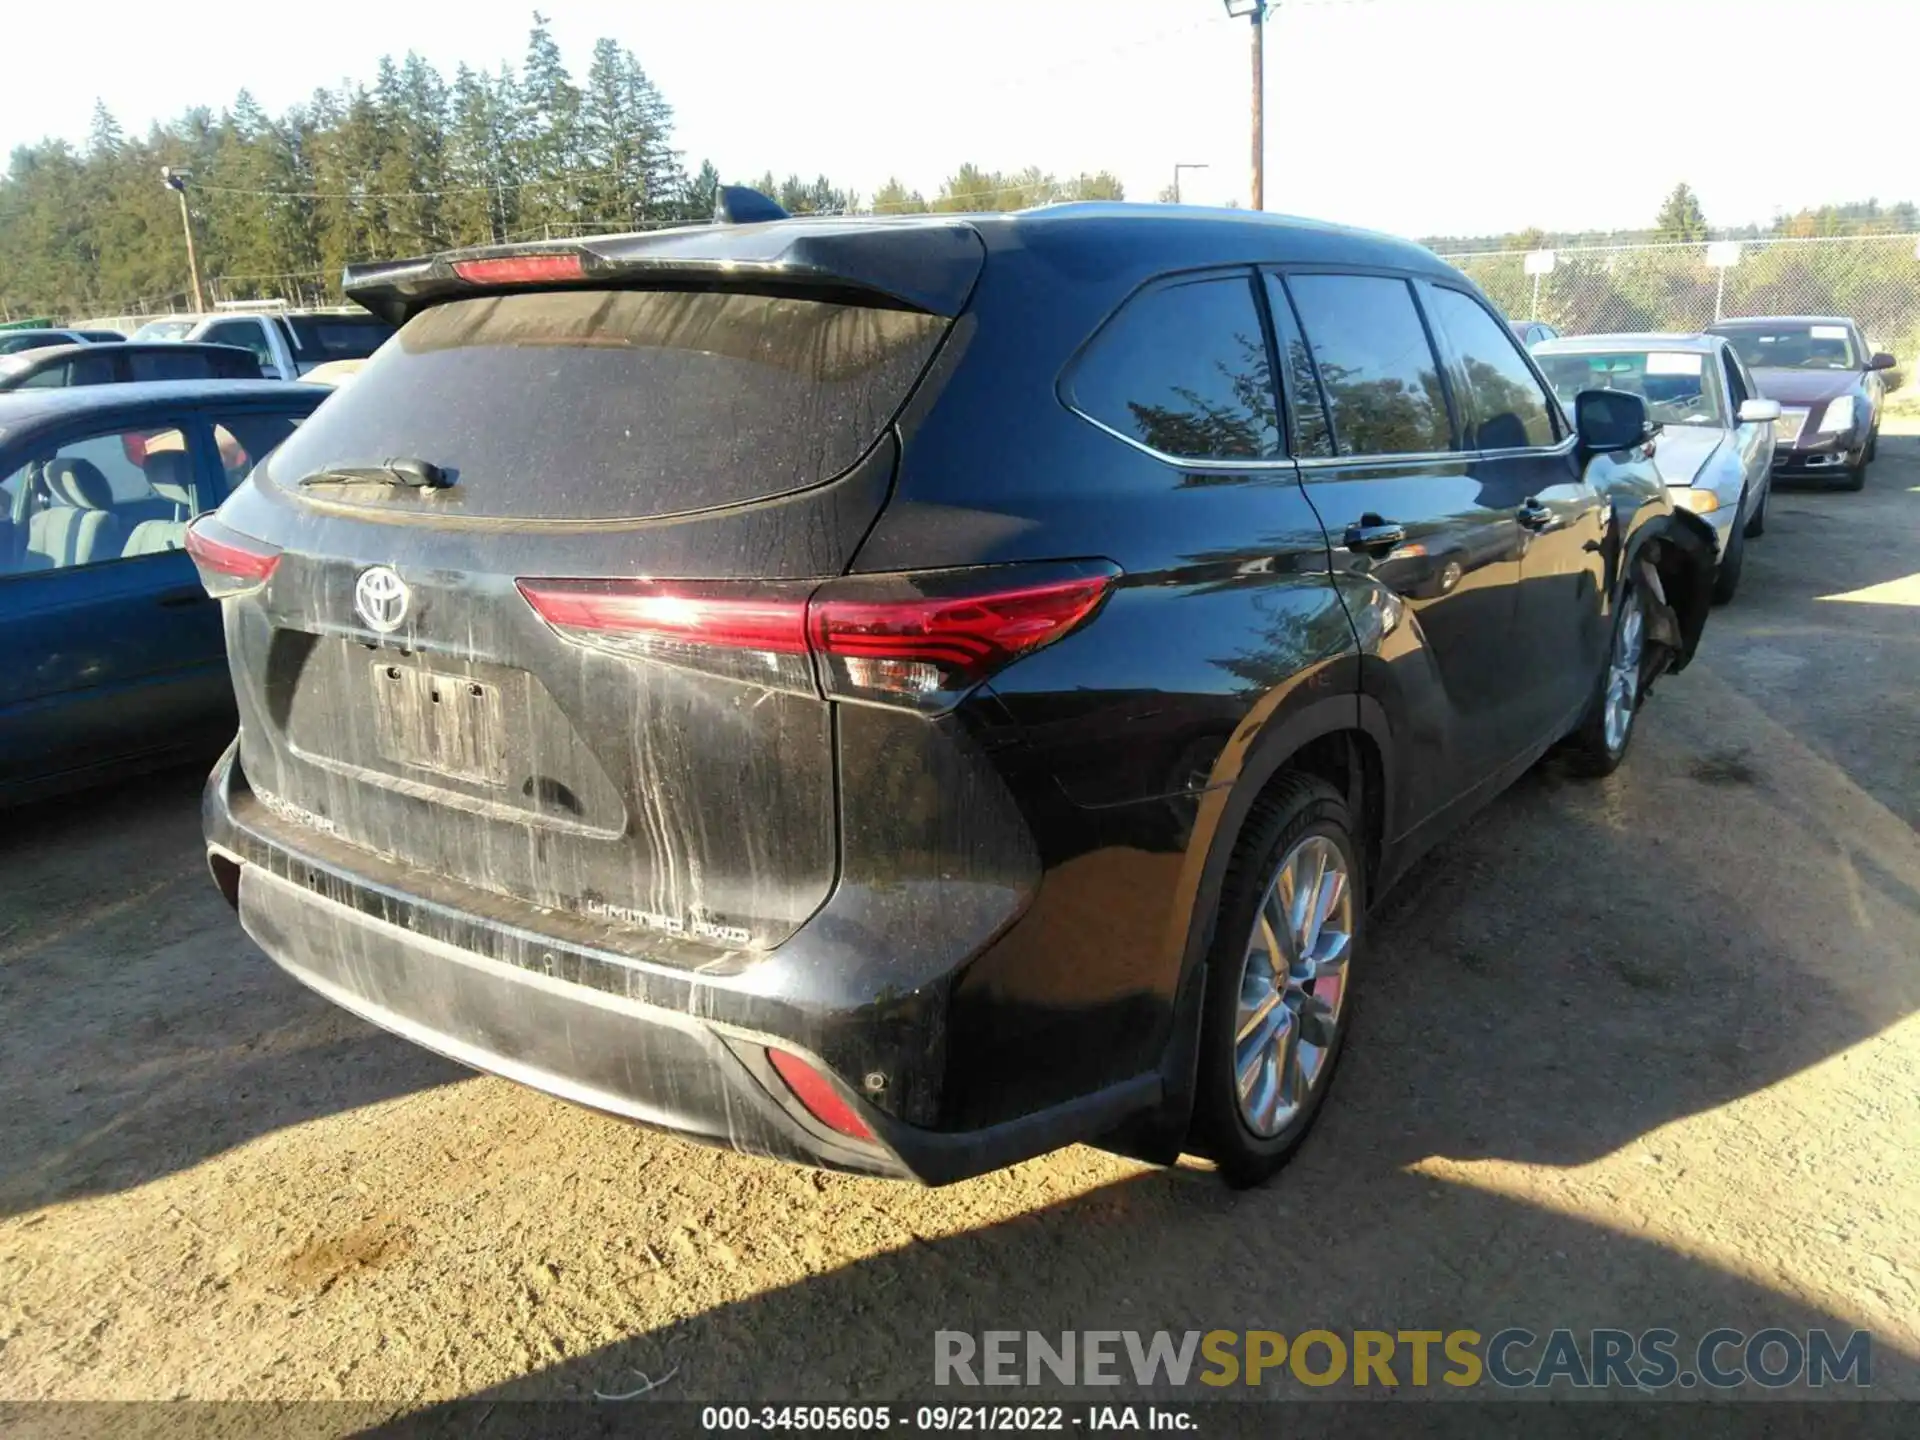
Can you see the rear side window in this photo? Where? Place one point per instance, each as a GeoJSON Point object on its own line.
{"type": "Point", "coordinates": [78, 370]}
{"type": "Point", "coordinates": [598, 404]}
{"type": "Point", "coordinates": [318, 338]}
{"type": "Point", "coordinates": [164, 365]}
{"type": "Point", "coordinates": [243, 439]}
{"type": "Point", "coordinates": [245, 333]}
{"type": "Point", "coordinates": [1376, 365]}
{"type": "Point", "coordinates": [1507, 408]}
{"type": "Point", "coordinates": [1183, 369]}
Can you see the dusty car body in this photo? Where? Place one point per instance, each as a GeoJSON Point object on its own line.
{"type": "Point", "coordinates": [861, 691]}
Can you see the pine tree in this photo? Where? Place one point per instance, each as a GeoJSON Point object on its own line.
{"type": "Point", "coordinates": [548, 147]}
{"type": "Point", "coordinates": [700, 194]}
{"type": "Point", "coordinates": [1681, 217]}
{"type": "Point", "coordinates": [404, 164]}
{"type": "Point", "coordinates": [893, 198]}
{"type": "Point", "coordinates": [483, 205]}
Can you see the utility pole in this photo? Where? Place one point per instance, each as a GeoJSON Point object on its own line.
{"type": "Point", "coordinates": [176, 181]}
{"type": "Point", "coordinates": [1185, 165]}
{"type": "Point", "coordinates": [1256, 11]}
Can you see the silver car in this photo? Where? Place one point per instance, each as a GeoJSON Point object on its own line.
{"type": "Point", "coordinates": [1715, 446]}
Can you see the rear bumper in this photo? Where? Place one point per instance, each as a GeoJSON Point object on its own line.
{"type": "Point", "coordinates": [669, 1048]}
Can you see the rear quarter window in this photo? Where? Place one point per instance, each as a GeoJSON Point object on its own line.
{"type": "Point", "coordinates": [318, 338]}
{"type": "Point", "coordinates": [594, 404]}
{"type": "Point", "coordinates": [184, 365]}
{"type": "Point", "coordinates": [1182, 368]}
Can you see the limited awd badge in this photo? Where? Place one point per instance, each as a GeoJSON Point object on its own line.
{"type": "Point", "coordinates": [382, 598]}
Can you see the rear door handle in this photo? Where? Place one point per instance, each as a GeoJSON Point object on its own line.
{"type": "Point", "coordinates": [1534, 515]}
{"type": "Point", "coordinates": [1371, 535]}
{"type": "Point", "coordinates": [174, 599]}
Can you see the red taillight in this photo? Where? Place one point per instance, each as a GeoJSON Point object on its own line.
{"type": "Point", "coordinates": [748, 632]}
{"type": "Point", "coordinates": [710, 614]}
{"type": "Point", "coordinates": [228, 563]}
{"type": "Point", "coordinates": [816, 1092]}
{"type": "Point", "coordinates": [923, 638]}
{"type": "Point", "coordinates": [520, 269]}
{"type": "Point", "coordinates": [917, 637]}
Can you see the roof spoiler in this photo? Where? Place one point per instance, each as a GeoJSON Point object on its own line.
{"type": "Point", "coordinates": [928, 266]}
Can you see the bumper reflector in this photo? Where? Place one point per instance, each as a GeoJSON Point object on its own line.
{"type": "Point", "coordinates": [816, 1092]}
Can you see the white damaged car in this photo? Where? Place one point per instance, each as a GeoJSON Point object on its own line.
{"type": "Point", "coordinates": [1715, 446]}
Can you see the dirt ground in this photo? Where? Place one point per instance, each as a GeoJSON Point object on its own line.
{"type": "Point", "coordinates": [1629, 1054]}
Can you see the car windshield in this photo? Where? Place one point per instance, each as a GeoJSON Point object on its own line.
{"type": "Point", "coordinates": [1674, 383]}
{"type": "Point", "coordinates": [31, 340]}
{"type": "Point", "coordinates": [1794, 347]}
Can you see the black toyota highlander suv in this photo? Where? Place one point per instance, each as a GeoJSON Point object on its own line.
{"type": "Point", "coordinates": [906, 694]}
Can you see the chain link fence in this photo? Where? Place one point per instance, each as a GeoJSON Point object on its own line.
{"type": "Point", "coordinates": [1598, 289]}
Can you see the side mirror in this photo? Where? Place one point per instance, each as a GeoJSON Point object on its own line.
{"type": "Point", "coordinates": [1609, 420]}
{"type": "Point", "coordinates": [1759, 411]}
{"type": "Point", "coordinates": [1881, 361]}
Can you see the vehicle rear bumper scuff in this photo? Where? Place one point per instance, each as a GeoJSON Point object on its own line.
{"type": "Point", "coordinates": [655, 1044]}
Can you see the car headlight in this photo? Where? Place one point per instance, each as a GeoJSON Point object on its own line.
{"type": "Point", "coordinates": [1700, 502]}
{"type": "Point", "coordinates": [1839, 415]}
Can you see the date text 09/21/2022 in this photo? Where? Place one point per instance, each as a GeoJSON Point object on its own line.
{"type": "Point", "coordinates": [868, 1419]}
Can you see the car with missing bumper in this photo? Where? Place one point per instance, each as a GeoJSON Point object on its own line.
{"type": "Point", "coordinates": [1830, 387]}
{"type": "Point", "coordinates": [904, 695]}
{"type": "Point", "coordinates": [1716, 444]}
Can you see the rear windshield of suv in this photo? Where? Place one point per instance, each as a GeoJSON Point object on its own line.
{"type": "Point", "coordinates": [318, 338]}
{"type": "Point", "coordinates": [619, 404]}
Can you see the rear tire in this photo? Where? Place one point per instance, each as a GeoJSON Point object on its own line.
{"type": "Point", "coordinates": [1873, 446]}
{"type": "Point", "coordinates": [1757, 522]}
{"type": "Point", "coordinates": [1273, 1028]}
{"type": "Point", "coordinates": [1599, 745]}
{"type": "Point", "coordinates": [1726, 578]}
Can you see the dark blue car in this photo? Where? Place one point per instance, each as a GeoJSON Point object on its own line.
{"type": "Point", "coordinates": [114, 657]}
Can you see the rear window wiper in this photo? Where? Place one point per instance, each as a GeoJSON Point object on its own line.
{"type": "Point", "coordinates": [412, 473]}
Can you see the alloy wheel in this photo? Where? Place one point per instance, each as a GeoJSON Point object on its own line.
{"type": "Point", "coordinates": [1293, 985]}
{"type": "Point", "coordinates": [1623, 673]}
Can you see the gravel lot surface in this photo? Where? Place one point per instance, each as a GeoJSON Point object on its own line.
{"type": "Point", "coordinates": [1633, 1053]}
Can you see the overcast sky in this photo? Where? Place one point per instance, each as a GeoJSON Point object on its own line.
{"type": "Point", "coordinates": [1413, 116]}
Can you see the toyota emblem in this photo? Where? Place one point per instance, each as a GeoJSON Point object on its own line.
{"type": "Point", "coordinates": [381, 597]}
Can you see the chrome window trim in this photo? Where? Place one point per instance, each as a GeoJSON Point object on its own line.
{"type": "Point", "coordinates": [1429, 457]}
{"type": "Point", "coordinates": [1369, 462]}
{"type": "Point", "coordinates": [1276, 462]}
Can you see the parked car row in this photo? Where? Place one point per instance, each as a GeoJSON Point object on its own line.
{"type": "Point", "coordinates": [284, 345]}
{"type": "Point", "coordinates": [1736, 405]}
{"type": "Point", "coordinates": [54, 367]}
{"type": "Point", "coordinates": [13, 342]}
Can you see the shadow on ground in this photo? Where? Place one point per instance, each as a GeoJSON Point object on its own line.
{"type": "Point", "coordinates": [1582, 967]}
{"type": "Point", "coordinates": [144, 1032]}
